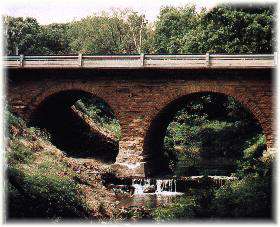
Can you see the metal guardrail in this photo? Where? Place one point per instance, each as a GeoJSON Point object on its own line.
{"type": "Point", "coordinates": [143, 61]}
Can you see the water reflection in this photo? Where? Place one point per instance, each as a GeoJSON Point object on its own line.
{"type": "Point", "coordinates": [149, 200]}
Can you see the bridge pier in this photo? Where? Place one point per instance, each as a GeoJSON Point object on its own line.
{"type": "Point", "coordinates": [130, 160]}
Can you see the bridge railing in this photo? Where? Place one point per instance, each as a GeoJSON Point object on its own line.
{"type": "Point", "coordinates": [139, 61]}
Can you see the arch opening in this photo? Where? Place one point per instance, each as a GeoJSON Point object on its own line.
{"type": "Point", "coordinates": [203, 133]}
{"type": "Point", "coordinates": [80, 124]}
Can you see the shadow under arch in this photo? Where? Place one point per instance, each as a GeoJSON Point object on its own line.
{"type": "Point", "coordinates": [69, 132]}
{"type": "Point", "coordinates": [156, 163]}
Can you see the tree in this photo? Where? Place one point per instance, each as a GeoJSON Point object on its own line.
{"type": "Point", "coordinates": [54, 39]}
{"type": "Point", "coordinates": [171, 26]}
{"type": "Point", "coordinates": [27, 36]}
{"type": "Point", "coordinates": [22, 34]}
{"type": "Point", "coordinates": [233, 30]}
{"type": "Point", "coordinates": [122, 32]}
{"type": "Point", "coordinates": [225, 29]}
{"type": "Point", "coordinates": [211, 127]}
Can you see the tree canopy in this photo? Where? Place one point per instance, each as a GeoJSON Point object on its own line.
{"type": "Point", "coordinates": [177, 30]}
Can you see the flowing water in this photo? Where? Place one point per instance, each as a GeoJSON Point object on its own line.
{"type": "Point", "coordinates": [151, 193]}
{"type": "Point", "coordinates": [155, 186]}
{"type": "Point", "coordinates": [157, 192]}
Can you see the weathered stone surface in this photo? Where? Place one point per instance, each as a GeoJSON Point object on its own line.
{"type": "Point", "coordinates": [140, 97]}
{"type": "Point", "coordinates": [129, 170]}
{"type": "Point", "coordinates": [150, 189]}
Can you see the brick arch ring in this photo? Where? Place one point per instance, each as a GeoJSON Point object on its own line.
{"type": "Point", "coordinates": [240, 96]}
{"type": "Point", "coordinates": [52, 90]}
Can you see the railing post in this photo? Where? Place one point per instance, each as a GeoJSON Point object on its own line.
{"type": "Point", "coordinates": [80, 60]}
{"type": "Point", "coordinates": [207, 59]}
{"type": "Point", "coordinates": [142, 59]}
{"type": "Point", "coordinates": [275, 58]}
{"type": "Point", "coordinates": [16, 49]}
{"type": "Point", "coordinates": [21, 59]}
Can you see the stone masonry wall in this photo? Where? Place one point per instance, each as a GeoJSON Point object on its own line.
{"type": "Point", "coordinates": [137, 97]}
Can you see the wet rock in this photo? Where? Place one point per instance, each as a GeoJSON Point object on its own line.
{"type": "Point", "coordinates": [128, 170]}
{"type": "Point", "coordinates": [150, 189]}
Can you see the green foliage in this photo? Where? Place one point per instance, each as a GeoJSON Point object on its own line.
{"type": "Point", "coordinates": [224, 29]}
{"type": "Point", "coordinates": [255, 147]}
{"type": "Point", "coordinates": [23, 34]}
{"type": "Point", "coordinates": [19, 153]}
{"type": "Point", "coordinates": [121, 32]}
{"type": "Point", "coordinates": [46, 191]}
{"type": "Point", "coordinates": [171, 26]}
{"type": "Point", "coordinates": [186, 164]}
{"type": "Point", "coordinates": [16, 127]}
{"type": "Point", "coordinates": [100, 113]}
{"type": "Point", "coordinates": [46, 187]}
{"type": "Point", "coordinates": [178, 30]}
{"type": "Point", "coordinates": [31, 38]}
{"type": "Point", "coordinates": [55, 40]}
{"type": "Point", "coordinates": [12, 120]}
{"type": "Point", "coordinates": [209, 134]}
{"type": "Point", "coordinates": [34, 132]}
{"type": "Point", "coordinates": [39, 185]}
{"type": "Point", "coordinates": [251, 161]}
{"type": "Point", "coordinates": [246, 198]}
{"type": "Point", "coordinates": [184, 208]}
{"type": "Point", "coordinates": [250, 197]}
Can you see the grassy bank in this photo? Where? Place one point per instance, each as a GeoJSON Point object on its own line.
{"type": "Point", "coordinates": [44, 183]}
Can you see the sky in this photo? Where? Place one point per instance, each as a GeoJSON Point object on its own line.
{"type": "Point", "coordinates": [59, 11]}
{"type": "Point", "coordinates": [50, 11]}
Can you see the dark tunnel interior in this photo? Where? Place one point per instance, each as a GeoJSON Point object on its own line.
{"type": "Point", "coordinates": [68, 132]}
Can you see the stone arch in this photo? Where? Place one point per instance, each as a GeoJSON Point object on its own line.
{"type": "Point", "coordinates": [71, 86]}
{"type": "Point", "coordinates": [239, 95]}
{"type": "Point", "coordinates": [63, 99]}
{"type": "Point", "coordinates": [156, 128]}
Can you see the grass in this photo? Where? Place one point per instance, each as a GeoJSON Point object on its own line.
{"type": "Point", "coordinates": [96, 111]}
{"type": "Point", "coordinates": [43, 183]}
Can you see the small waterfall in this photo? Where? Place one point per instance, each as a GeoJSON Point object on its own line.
{"type": "Point", "coordinates": [138, 189]}
{"type": "Point", "coordinates": [140, 185]}
{"type": "Point", "coordinates": [169, 186]}
{"type": "Point", "coordinates": [166, 185]}
{"type": "Point", "coordinates": [157, 186]}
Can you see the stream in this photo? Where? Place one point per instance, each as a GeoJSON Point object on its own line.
{"type": "Point", "coordinates": [152, 192]}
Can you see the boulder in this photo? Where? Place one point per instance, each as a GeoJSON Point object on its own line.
{"type": "Point", "coordinates": [150, 189]}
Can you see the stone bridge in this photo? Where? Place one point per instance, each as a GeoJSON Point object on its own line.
{"type": "Point", "coordinates": [143, 91]}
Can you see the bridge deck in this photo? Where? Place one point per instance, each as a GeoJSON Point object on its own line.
{"type": "Point", "coordinates": [143, 61]}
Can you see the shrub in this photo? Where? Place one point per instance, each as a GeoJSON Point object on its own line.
{"type": "Point", "coordinates": [36, 132]}
{"type": "Point", "coordinates": [100, 114]}
{"type": "Point", "coordinates": [11, 119]}
{"type": "Point", "coordinates": [246, 198]}
{"type": "Point", "coordinates": [251, 161]}
{"type": "Point", "coordinates": [48, 189]}
{"type": "Point", "coordinates": [184, 208]}
{"type": "Point", "coordinates": [19, 153]}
